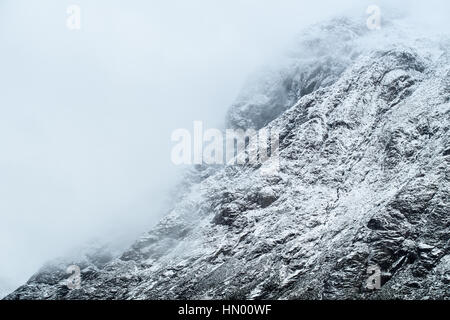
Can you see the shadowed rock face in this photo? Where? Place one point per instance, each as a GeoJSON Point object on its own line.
{"type": "Point", "coordinates": [364, 180]}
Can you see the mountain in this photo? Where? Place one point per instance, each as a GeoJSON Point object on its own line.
{"type": "Point", "coordinates": [5, 288]}
{"type": "Point", "coordinates": [363, 182]}
{"type": "Point", "coordinates": [4, 292]}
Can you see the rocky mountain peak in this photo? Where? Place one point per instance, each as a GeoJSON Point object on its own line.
{"type": "Point", "coordinates": [364, 181]}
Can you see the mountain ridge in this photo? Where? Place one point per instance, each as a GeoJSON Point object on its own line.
{"type": "Point", "coordinates": [363, 181]}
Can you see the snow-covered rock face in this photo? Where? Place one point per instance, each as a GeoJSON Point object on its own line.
{"type": "Point", "coordinates": [317, 61]}
{"type": "Point", "coordinates": [3, 292]}
{"type": "Point", "coordinates": [364, 180]}
{"type": "Point", "coordinates": [5, 288]}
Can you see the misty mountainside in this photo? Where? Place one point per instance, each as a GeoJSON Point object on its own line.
{"type": "Point", "coordinates": [4, 289]}
{"type": "Point", "coordinates": [363, 180]}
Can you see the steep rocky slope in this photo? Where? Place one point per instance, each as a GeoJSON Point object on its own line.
{"type": "Point", "coordinates": [4, 290]}
{"type": "Point", "coordinates": [364, 180]}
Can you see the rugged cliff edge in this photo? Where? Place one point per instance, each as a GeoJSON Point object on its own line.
{"type": "Point", "coordinates": [364, 180]}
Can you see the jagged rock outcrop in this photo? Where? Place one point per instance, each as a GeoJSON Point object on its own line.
{"type": "Point", "coordinates": [364, 180]}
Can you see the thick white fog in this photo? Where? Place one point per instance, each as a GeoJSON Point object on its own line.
{"type": "Point", "coordinates": [86, 116]}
